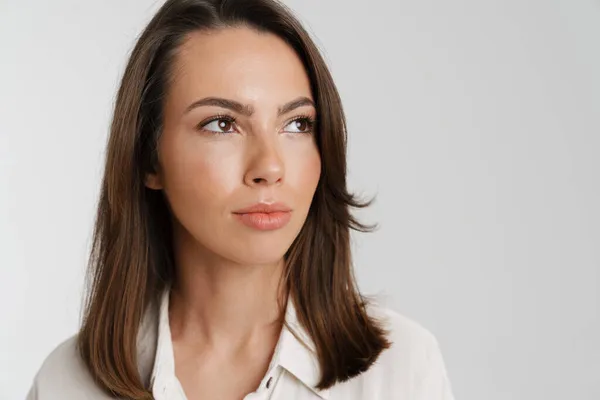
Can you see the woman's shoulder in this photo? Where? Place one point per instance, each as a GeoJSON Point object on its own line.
{"type": "Point", "coordinates": [63, 375]}
{"type": "Point", "coordinates": [413, 363]}
{"type": "Point", "coordinates": [403, 331]}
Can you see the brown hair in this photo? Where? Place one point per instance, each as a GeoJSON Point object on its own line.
{"type": "Point", "coordinates": [131, 260]}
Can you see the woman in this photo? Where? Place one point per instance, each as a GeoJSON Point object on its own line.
{"type": "Point", "coordinates": [221, 263]}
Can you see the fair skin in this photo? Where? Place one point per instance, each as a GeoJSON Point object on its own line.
{"type": "Point", "coordinates": [224, 316]}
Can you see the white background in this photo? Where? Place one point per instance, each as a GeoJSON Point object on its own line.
{"type": "Point", "coordinates": [476, 123]}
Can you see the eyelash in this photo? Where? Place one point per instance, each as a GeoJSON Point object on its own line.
{"type": "Point", "coordinates": [305, 117]}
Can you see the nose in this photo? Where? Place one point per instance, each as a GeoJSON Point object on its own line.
{"type": "Point", "coordinates": [265, 166]}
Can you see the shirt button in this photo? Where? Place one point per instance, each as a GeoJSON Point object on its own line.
{"type": "Point", "coordinates": [269, 382]}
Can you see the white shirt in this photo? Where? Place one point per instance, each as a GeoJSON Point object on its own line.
{"type": "Point", "coordinates": [411, 369]}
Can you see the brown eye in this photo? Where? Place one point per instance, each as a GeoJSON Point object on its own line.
{"type": "Point", "coordinates": [219, 125]}
{"type": "Point", "coordinates": [224, 125]}
{"type": "Point", "coordinates": [301, 125]}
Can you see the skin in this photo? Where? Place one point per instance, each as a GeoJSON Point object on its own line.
{"type": "Point", "coordinates": [223, 312]}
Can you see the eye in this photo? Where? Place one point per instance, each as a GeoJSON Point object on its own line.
{"type": "Point", "coordinates": [220, 125]}
{"type": "Point", "coordinates": [301, 125]}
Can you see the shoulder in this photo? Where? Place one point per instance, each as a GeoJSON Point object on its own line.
{"type": "Point", "coordinates": [63, 375]}
{"type": "Point", "coordinates": [412, 367]}
{"type": "Point", "coordinates": [411, 343]}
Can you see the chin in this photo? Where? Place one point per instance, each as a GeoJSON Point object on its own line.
{"type": "Point", "coordinates": [257, 252]}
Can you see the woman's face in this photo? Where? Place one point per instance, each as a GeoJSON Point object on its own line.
{"type": "Point", "coordinates": [215, 160]}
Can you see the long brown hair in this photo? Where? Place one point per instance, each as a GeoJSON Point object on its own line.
{"type": "Point", "coordinates": [131, 260]}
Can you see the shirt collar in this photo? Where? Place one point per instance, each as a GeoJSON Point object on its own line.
{"type": "Point", "coordinates": [295, 350]}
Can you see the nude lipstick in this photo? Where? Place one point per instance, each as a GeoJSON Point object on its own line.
{"type": "Point", "coordinates": [265, 217]}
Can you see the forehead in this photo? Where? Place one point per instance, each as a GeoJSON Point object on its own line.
{"type": "Point", "coordinates": [239, 63]}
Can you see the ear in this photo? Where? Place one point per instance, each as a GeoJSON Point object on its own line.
{"type": "Point", "coordinates": [153, 181]}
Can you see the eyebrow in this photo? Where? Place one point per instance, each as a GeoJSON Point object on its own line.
{"type": "Point", "coordinates": [246, 109]}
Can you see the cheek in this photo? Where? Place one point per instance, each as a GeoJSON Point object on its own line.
{"type": "Point", "coordinates": [303, 168]}
{"type": "Point", "coordinates": [198, 177]}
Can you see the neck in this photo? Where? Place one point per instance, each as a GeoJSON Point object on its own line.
{"type": "Point", "coordinates": [223, 304]}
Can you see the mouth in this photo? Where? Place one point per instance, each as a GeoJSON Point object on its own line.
{"type": "Point", "coordinates": [264, 208]}
{"type": "Point", "coordinates": [265, 217]}
{"type": "Point", "coordinates": [265, 221]}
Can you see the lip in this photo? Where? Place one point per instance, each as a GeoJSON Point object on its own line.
{"type": "Point", "coordinates": [265, 217]}
{"type": "Point", "coordinates": [264, 208]}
